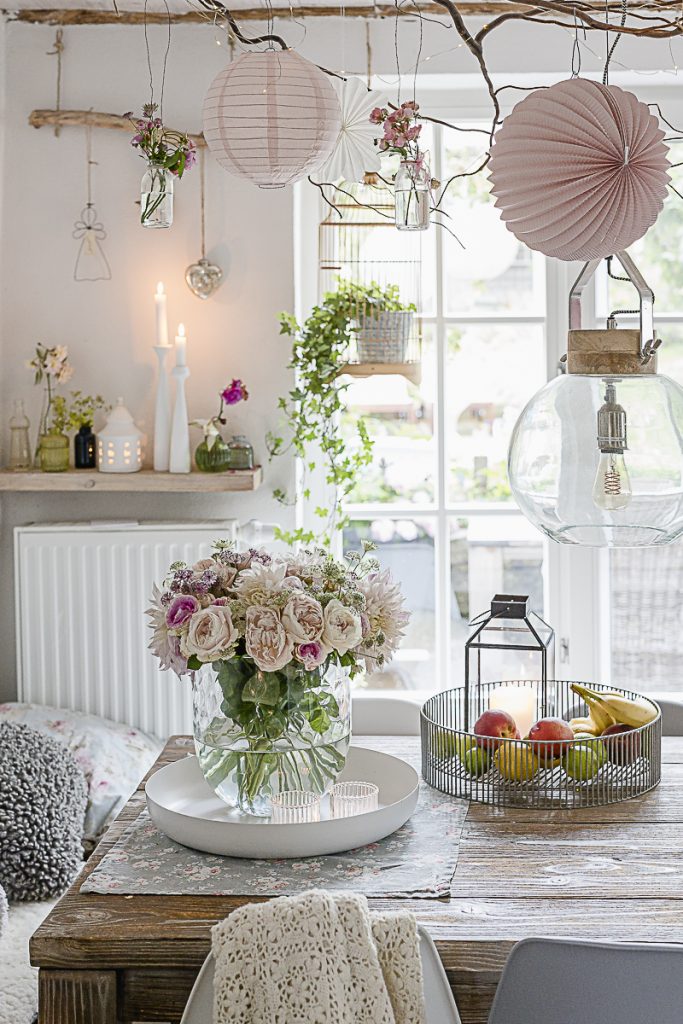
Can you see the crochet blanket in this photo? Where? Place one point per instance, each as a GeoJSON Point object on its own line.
{"type": "Point", "coordinates": [317, 957]}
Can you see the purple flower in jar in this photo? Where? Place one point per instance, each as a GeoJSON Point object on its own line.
{"type": "Point", "coordinates": [180, 610]}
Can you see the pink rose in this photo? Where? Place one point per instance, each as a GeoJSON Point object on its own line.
{"type": "Point", "coordinates": [266, 639]}
{"type": "Point", "coordinates": [211, 634]}
{"type": "Point", "coordinates": [302, 617]}
{"type": "Point", "coordinates": [311, 655]}
{"type": "Point", "coordinates": [180, 610]}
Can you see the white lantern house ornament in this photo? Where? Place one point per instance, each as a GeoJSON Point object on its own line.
{"type": "Point", "coordinates": [271, 117]}
{"type": "Point", "coordinates": [119, 443]}
{"type": "Point", "coordinates": [596, 457]}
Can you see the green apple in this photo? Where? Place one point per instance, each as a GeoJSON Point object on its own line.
{"type": "Point", "coordinates": [581, 762]}
{"type": "Point", "coordinates": [476, 761]}
{"type": "Point", "coordinates": [597, 748]}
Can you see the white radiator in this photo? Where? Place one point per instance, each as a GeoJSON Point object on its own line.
{"type": "Point", "coordinates": [81, 590]}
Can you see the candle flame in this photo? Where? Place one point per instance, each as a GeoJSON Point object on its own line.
{"type": "Point", "coordinates": [181, 330]}
{"type": "Point", "coordinates": [160, 288]}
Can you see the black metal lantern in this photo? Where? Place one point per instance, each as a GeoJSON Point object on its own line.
{"type": "Point", "coordinates": [509, 626]}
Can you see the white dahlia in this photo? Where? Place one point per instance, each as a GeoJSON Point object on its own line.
{"type": "Point", "coordinates": [386, 617]}
{"type": "Point", "coordinates": [256, 584]}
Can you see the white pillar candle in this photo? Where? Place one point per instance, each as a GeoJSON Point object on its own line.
{"type": "Point", "coordinates": [162, 321]}
{"type": "Point", "coordinates": [518, 701]}
{"type": "Point", "coordinates": [181, 346]}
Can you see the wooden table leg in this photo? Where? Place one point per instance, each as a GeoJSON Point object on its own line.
{"type": "Point", "coordinates": [76, 997]}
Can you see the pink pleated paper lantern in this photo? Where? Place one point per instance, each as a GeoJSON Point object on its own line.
{"type": "Point", "coordinates": [271, 117]}
{"type": "Point", "coordinates": [579, 170]}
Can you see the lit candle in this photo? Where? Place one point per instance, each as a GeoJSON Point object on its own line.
{"type": "Point", "coordinates": [518, 701]}
{"type": "Point", "coordinates": [162, 322]}
{"type": "Point", "coordinates": [181, 346]}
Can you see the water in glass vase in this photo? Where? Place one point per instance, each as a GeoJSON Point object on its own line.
{"type": "Point", "coordinates": [249, 779]}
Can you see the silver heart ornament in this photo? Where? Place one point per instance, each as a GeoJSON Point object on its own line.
{"type": "Point", "coordinates": [203, 278]}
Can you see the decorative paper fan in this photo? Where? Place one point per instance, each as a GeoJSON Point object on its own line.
{"type": "Point", "coordinates": [355, 151]}
{"type": "Point", "coordinates": [579, 170]}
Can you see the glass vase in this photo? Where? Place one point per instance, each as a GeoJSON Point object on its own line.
{"type": "Point", "coordinates": [412, 196]}
{"type": "Point", "coordinates": [156, 197]}
{"type": "Point", "coordinates": [43, 424]}
{"type": "Point", "coordinates": [261, 733]}
{"type": "Point", "coordinates": [215, 459]}
{"type": "Point", "coordinates": [241, 453]}
{"type": "Point", "coordinates": [54, 453]}
{"type": "Point", "coordinates": [20, 444]}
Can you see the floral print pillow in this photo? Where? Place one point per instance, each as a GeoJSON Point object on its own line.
{"type": "Point", "coordinates": [113, 757]}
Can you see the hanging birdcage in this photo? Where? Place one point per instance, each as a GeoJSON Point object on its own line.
{"type": "Point", "coordinates": [380, 269]}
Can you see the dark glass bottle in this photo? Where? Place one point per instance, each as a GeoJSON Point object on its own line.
{"type": "Point", "coordinates": [85, 448]}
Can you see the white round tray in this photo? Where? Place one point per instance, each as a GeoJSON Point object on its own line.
{"type": "Point", "coordinates": [184, 807]}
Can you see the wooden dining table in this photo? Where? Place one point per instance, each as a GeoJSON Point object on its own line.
{"type": "Point", "coordinates": [610, 873]}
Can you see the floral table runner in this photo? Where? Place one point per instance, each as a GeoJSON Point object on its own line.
{"type": "Point", "coordinates": [418, 860]}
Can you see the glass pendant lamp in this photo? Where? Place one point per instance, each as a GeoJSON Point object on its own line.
{"type": "Point", "coordinates": [596, 457]}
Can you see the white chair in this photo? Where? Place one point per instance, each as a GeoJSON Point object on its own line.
{"type": "Point", "coordinates": [672, 717]}
{"type": "Point", "coordinates": [566, 981]}
{"type": "Point", "coordinates": [441, 1008]}
{"type": "Point", "coordinates": [385, 716]}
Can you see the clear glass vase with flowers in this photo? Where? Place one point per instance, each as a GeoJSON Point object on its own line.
{"type": "Point", "coordinates": [270, 645]}
{"type": "Point", "coordinates": [212, 454]}
{"type": "Point", "coordinates": [412, 183]}
{"type": "Point", "coordinates": [169, 154]}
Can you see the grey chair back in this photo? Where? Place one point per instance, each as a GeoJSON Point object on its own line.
{"type": "Point", "coordinates": [672, 717]}
{"type": "Point", "coordinates": [566, 981]}
{"type": "Point", "coordinates": [385, 716]}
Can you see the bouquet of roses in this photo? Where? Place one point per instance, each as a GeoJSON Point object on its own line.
{"type": "Point", "coordinates": [302, 609]}
{"type": "Point", "coordinates": [279, 635]}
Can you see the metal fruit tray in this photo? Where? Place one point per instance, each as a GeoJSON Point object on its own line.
{"type": "Point", "coordinates": [605, 770]}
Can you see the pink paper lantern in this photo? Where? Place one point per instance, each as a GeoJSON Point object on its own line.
{"type": "Point", "coordinates": [579, 170]}
{"type": "Point", "coordinates": [271, 117]}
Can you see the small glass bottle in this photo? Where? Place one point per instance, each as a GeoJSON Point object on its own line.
{"type": "Point", "coordinates": [241, 453]}
{"type": "Point", "coordinates": [412, 196]}
{"type": "Point", "coordinates": [156, 197]}
{"type": "Point", "coordinates": [20, 443]}
{"type": "Point", "coordinates": [85, 448]}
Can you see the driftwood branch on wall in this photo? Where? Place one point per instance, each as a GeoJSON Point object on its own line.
{"type": "Point", "coordinates": [467, 8]}
{"type": "Point", "coordinates": [93, 118]}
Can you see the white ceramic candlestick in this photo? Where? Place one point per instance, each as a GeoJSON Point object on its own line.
{"type": "Point", "coordinates": [179, 461]}
{"type": "Point", "coordinates": [518, 701]}
{"type": "Point", "coordinates": [162, 413]}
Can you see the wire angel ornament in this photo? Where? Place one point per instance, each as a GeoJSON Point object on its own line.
{"type": "Point", "coordinates": [91, 263]}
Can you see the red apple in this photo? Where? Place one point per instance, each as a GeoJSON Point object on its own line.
{"type": "Point", "coordinates": [554, 733]}
{"type": "Point", "coordinates": [625, 749]}
{"type": "Point", "coordinates": [493, 726]}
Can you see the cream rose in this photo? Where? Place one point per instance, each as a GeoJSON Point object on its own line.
{"type": "Point", "coordinates": [302, 617]}
{"type": "Point", "coordinates": [266, 639]}
{"type": "Point", "coordinates": [210, 634]}
{"type": "Point", "coordinates": [342, 629]}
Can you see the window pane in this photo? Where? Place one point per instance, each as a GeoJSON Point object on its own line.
{"type": "Point", "coordinates": [492, 371]}
{"type": "Point", "coordinates": [646, 589]}
{"type": "Point", "coordinates": [490, 272]}
{"type": "Point", "coordinates": [659, 256]}
{"type": "Point", "coordinates": [493, 555]}
{"type": "Point", "coordinates": [399, 417]}
{"type": "Point", "coordinates": [406, 547]}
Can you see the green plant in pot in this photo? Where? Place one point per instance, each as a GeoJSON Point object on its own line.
{"type": "Point", "coordinates": [383, 322]}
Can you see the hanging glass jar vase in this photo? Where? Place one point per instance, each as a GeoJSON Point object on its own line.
{"type": "Point", "coordinates": [412, 193]}
{"type": "Point", "coordinates": [156, 197]}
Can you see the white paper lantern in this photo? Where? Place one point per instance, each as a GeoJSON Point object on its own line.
{"type": "Point", "coordinates": [271, 117]}
{"type": "Point", "coordinates": [119, 443]}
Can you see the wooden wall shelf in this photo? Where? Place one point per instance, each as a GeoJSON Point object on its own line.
{"type": "Point", "coordinates": [146, 481]}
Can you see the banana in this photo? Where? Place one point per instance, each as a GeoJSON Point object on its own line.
{"type": "Point", "coordinates": [597, 714]}
{"type": "Point", "coordinates": [584, 725]}
{"type": "Point", "coordinates": [626, 711]}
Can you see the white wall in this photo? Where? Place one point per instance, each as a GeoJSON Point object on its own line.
{"type": "Point", "coordinates": [109, 326]}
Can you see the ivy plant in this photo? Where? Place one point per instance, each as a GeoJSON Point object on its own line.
{"type": "Point", "coordinates": [320, 347]}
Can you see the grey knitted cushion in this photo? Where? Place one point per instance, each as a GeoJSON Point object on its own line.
{"type": "Point", "coordinates": [42, 807]}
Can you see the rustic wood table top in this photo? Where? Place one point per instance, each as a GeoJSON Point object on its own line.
{"type": "Point", "coordinates": [602, 873]}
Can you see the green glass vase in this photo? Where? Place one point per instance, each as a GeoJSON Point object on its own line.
{"type": "Point", "coordinates": [215, 459]}
{"type": "Point", "coordinates": [54, 453]}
